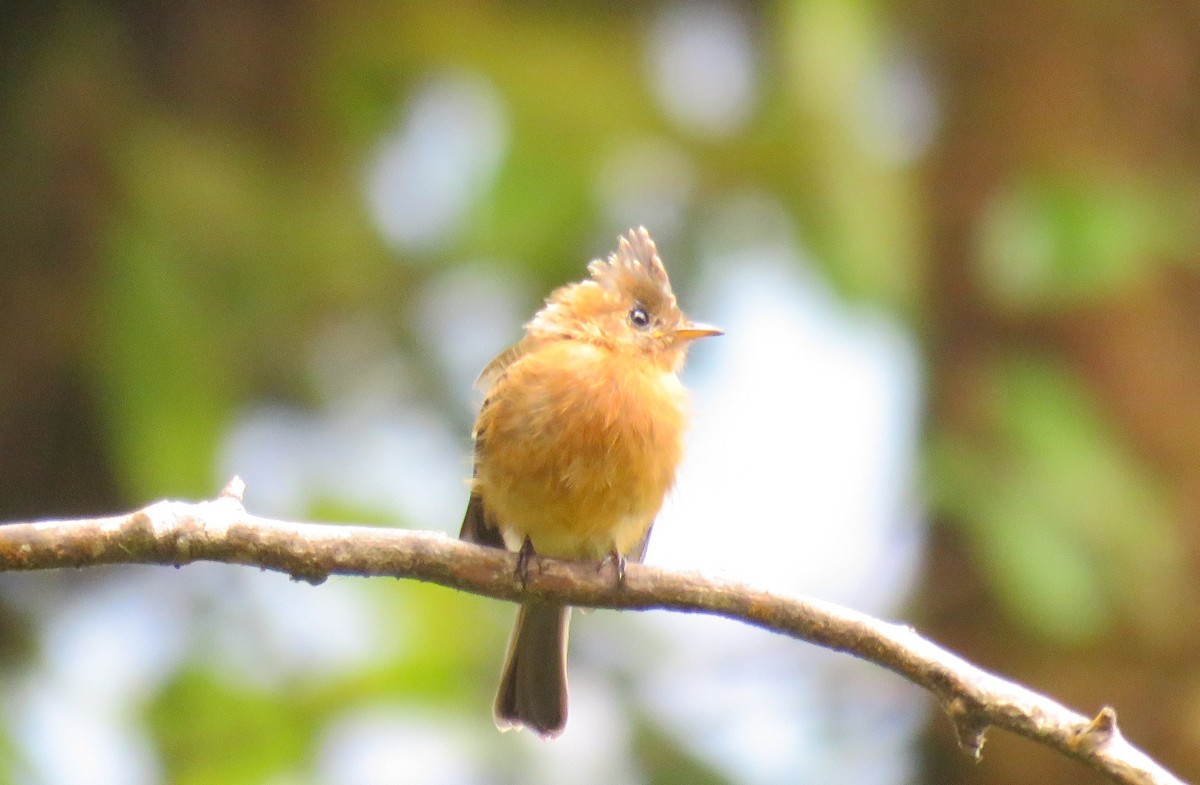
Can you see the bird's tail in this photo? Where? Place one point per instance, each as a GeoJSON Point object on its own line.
{"type": "Point", "coordinates": [533, 687]}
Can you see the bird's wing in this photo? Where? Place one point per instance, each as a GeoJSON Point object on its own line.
{"type": "Point", "coordinates": [477, 528]}
{"type": "Point", "coordinates": [638, 554]}
{"type": "Point", "coordinates": [492, 372]}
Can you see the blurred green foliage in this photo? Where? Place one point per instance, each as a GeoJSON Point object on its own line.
{"type": "Point", "coordinates": [12, 757]}
{"type": "Point", "coordinates": [209, 730]}
{"type": "Point", "coordinates": [666, 759]}
{"type": "Point", "coordinates": [213, 241]}
{"type": "Point", "coordinates": [859, 204]}
{"type": "Point", "coordinates": [1069, 525]}
{"type": "Point", "coordinates": [1054, 241]}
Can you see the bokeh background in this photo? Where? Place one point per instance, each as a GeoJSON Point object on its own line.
{"type": "Point", "coordinates": [955, 250]}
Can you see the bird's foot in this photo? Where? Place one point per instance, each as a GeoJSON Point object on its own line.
{"type": "Point", "coordinates": [618, 561]}
{"type": "Point", "coordinates": [524, 556]}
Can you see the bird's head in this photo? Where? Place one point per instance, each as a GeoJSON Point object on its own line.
{"type": "Point", "coordinates": [626, 306]}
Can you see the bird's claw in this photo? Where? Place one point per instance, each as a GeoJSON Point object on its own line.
{"type": "Point", "coordinates": [618, 562]}
{"type": "Point", "coordinates": [524, 556]}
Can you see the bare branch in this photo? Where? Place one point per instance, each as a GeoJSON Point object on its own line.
{"type": "Point", "coordinates": [177, 533]}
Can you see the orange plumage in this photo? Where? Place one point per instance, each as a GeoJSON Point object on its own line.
{"type": "Point", "coordinates": [576, 445]}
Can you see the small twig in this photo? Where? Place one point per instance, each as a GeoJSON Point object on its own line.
{"type": "Point", "coordinates": [177, 533]}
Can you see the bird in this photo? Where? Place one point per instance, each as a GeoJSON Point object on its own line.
{"type": "Point", "coordinates": [576, 445]}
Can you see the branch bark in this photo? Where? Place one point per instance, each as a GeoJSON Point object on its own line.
{"type": "Point", "coordinates": [178, 533]}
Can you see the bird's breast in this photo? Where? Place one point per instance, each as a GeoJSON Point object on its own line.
{"type": "Point", "coordinates": [577, 447]}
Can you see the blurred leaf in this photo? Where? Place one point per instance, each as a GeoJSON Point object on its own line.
{"type": "Point", "coordinates": [450, 646]}
{"type": "Point", "coordinates": [666, 762]}
{"type": "Point", "coordinates": [1056, 240]}
{"type": "Point", "coordinates": [1044, 576]}
{"type": "Point", "coordinates": [9, 759]}
{"type": "Point", "coordinates": [1071, 527]}
{"type": "Point", "coordinates": [211, 732]}
{"type": "Point", "coordinates": [859, 205]}
{"type": "Point", "coordinates": [554, 67]}
{"type": "Point", "coordinates": [217, 266]}
{"type": "Point", "coordinates": [443, 657]}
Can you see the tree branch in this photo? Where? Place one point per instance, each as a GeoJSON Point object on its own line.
{"type": "Point", "coordinates": [177, 533]}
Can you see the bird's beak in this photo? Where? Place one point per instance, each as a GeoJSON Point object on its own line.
{"type": "Point", "coordinates": [692, 330]}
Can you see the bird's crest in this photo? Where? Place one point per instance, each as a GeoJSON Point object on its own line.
{"type": "Point", "coordinates": [635, 263]}
{"type": "Point", "coordinates": [633, 274]}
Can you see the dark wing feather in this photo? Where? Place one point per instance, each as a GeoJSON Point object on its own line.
{"type": "Point", "coordinates": [476, 528]}
{"type": "Point", "coordinates": [638, 554]}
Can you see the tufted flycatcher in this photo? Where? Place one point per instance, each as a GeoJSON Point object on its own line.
{"type": "Point", "coordinates": [575, 446]}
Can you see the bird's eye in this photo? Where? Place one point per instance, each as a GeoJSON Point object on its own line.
{"type": "Point", "coordinates": [639, 318]}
